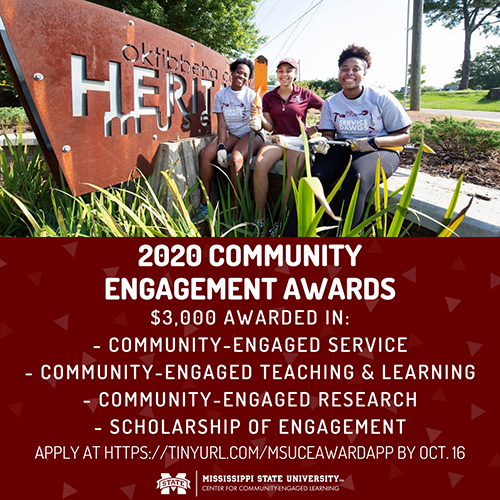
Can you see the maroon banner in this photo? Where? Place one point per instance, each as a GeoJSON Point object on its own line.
{"type": "Point", "coordinates": [212, 368]}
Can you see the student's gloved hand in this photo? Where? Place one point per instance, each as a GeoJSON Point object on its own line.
{"type": "Point", "coordinates": [364, 145]}
{"type": "Point", "coordinates": [222, 156]}
{"type": "Point", "coordinates": [320, 145]}
{"type": "Point", "coordinates": [255, 123]}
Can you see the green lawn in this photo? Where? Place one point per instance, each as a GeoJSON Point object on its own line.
{"type": "Point", "coordinates": [474, 100]}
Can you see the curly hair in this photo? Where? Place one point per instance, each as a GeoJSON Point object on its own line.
{"type": "Point", "coordinates": [358, 52]}
{"type": "Point", "coordinates": [242, 60]}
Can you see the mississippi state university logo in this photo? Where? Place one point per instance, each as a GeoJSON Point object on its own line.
{"type": "Point", "coordinates": [178, 483]}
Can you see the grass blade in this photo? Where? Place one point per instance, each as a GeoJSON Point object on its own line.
{"type": "Point", "coordinates": [453, 203]}
{"type": "Point", "coordinates": [456, 222]}
{"type": "Point", "coordinates": [350, 211]}
{"type": "Point", "coordinates": [404, 202]}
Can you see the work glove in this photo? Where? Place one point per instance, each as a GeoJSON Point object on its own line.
{"type": "Point", "coordinates": [255, 123]}
{"type": "Point", "coordinates": [222, 156]}
{"type": "Point", "coordinates": [320, 145]}
{"type": "Point", "coordinates": [364, 145]}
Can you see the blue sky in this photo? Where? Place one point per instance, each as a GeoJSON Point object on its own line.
{"type": "Point", "coordinates": [379, 25]}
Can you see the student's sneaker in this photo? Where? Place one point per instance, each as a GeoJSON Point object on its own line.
{"type": "Point", "coordinates": [275, 230]}
{"type": "Point", "coordinates": [260, 226]}
{"type": "Point", "coordinates": [201, 214]}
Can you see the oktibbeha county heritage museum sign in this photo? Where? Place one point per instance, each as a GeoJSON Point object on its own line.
{"type": "Point", "coordinates": [102, 89]}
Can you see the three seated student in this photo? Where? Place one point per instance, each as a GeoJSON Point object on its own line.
{"type": "Point", "coordinates": [369, 119]}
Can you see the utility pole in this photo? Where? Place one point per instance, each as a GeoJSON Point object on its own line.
{"type": "Point", "coordinates": [416, 55]}
{"type": "Point", "coordinates": [407, 45]}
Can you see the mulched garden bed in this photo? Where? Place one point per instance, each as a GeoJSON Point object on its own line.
{"type": "Point", "coordinates": [482, 170]}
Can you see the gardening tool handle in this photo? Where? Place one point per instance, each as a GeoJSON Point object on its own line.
{"type": "Point", "coordinates": [348, 144]}
{"type": "Point", "coordinates": [249, 155]}
{"type": "Point", "coordinates": [251, 140]}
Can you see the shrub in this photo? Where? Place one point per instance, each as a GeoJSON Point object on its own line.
{"type": "Point", "coordinates": [12, 117]}
{"type": "Point", "coordinates": [29, 179]}
{"type": "Point", "coordinates": [458, 139]}
{"type": "Point", "coordinates": [323, 88]}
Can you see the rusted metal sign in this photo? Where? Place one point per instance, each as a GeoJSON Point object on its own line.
{"type": "Point", "coordinates": [103, 89]}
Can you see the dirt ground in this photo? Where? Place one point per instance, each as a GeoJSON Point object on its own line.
{"type": "Point", "coordinates": [483, 172]}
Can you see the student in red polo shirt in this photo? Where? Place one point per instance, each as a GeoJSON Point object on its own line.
{"type": "Point", "coordinates": [281, 109]}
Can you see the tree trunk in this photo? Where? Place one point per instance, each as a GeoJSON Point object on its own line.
{"type": "Point", "coordinates": [464, 82]}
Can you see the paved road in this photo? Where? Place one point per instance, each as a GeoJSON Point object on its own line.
{"type": "Point", "coordinates": [480, 115]}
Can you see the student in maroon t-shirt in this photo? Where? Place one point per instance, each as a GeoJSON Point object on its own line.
{"type": "Point", "coordinates": [281, 107]}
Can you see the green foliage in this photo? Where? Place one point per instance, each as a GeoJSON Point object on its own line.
{"type": "Point", "coordinates": [323, 88]}
{"type": "Point", "coordinates": [12, 117]}
{"type": "Point", "coordinates": [484, 69]}
{"type": "Point", "coordinates": [308, 192]}
{"type": "Point", "coordinates": [227, 27]}
{"type": "Point", "coordinates": [8, 93]}
{"type": "Point", "coordinates": [380, 225]}
{"type": "Point", "coordinates": [457, 138]}
{"type": "Point", "coordinates": [377, 224]}
{"type": "Point", "coordinates": [272, 80]}
{"type": "Point", "coordinates": [30, 205]}
{"type": "Point", "coordinates": [30, 180]}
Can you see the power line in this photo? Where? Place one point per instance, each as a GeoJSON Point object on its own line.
{"type": "Point", "coordinates": [260, 5]}
{"type": "Point", "coordinates": [308, 22]}
{"type": "Point", "coordinates": [274, 6]}
{"type": "Point", "coordinates": [287, 28]}
{"type": "Point", "coordinates": [286, 41]}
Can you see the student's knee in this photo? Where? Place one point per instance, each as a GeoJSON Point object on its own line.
{"type": "Point", "coordinates": [237, 160]}
{"type": "Point", "coordinates": [260, 169]}
{"type": "Point", "coordinates": [204, 156]}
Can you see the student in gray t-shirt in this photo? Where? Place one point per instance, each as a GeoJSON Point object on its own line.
{"type": "Point", "coordinates": [232, 105]}
{"type": "Point", "coordinates": [371, 119]}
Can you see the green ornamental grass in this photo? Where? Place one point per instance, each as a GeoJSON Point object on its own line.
{"type": "Point", "coordinates": [32, 205]}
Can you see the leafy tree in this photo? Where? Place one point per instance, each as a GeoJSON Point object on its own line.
{"type": "Point", "coordinates": [324, 88]}
{"type": "Point", "coordinates": [482, 15]}
{"type": "Point", "coordinates": [331, 86]}
{"type": "Point", "coordinates": [485, 69]}
{"type": "Point", "coordinates": [272, 80]}
{"type": "Point", "coordinates": [227, 27]}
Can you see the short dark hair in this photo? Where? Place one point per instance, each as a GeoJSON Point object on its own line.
{"type": "Point", "coordinates": [358, 52]}
{"type": "Point", "coordinates": [242, 60]}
